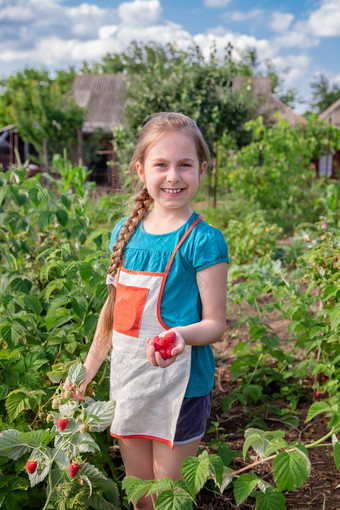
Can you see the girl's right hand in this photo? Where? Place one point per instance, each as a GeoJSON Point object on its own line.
{"type": "Point", "coordinates": [155, 357]}
{"type": "Point", "coordinates": [81, 392]}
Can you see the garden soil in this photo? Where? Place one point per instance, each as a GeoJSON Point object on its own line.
{"type": "Point", "coordinates": [322, 490]}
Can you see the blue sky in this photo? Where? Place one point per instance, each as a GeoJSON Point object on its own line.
{"type": "Point", "coordinates": [300, 38]}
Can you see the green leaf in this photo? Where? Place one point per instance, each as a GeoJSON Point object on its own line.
{"type": "Point", "coordinates": [244, 485]}
{"type": "Point", "coordinates": [337, 455]}
{"type": "Point", "coordinates": [291, 469]}
{"type": "Point", "coordinates": [11, 445]}
{"type": "Point", "coordinates": [170, 500]}
{"type": "Point", "coordinates": [79, 306]}
{"type": "Point", "coordinates": [260, 440]}
{"type": "Point", "coordinates": [33, 303]}
{"type": "Point", "coordinates": [317, 408]}
{"type": "Point", "coordinates": [38, 195]}
{"type": "Point", "coordinates": [269, 500]}
{"type": "Point", "coordinates": [12, 332]}
{"type": "Point", "coordinates": [195, 471]}
{"type": "Point", "coordinates": [16, 402]}
{"type": "Point", "coordinates": [85, 270]}
{"type": "Point", "coordinates": [90, 325]}
{"type": "Point", "coordinates": [216, 465]}
{"type": "Point", "coordinates": [135, 488]}
{"type": "Point", "coordinates": [164, 484]}
{"type": "Point", "coordinates": [104, 411]}
{"type": "Point", "coordinates": [97, 503]}
{"type": "Point", "coordinates": [77, 373]}
{"type": "Point", "coordinates": [98, 479]}
{"type": "Point", "coordinates": [62, 217]}
{"type": "Point", "coordinates": [4, 388]}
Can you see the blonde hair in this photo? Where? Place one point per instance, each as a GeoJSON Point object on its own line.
{"type": "Point", "coordinates": [154, 127]}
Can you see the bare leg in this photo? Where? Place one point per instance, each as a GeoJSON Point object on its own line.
{"type": "Point", "coordinates": [138, 461]}
{"type": "Point", "coordinates": [167, 462]}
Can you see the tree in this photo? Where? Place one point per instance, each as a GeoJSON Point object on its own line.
{"type": "Point", "coordinates": [41, 109]}
{"type": "Point", "coordinates": [323, 94]}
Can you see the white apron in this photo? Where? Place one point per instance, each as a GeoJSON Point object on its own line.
{"type": "Point", "coordinates": [148, 399]}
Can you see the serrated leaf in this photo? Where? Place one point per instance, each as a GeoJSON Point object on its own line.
{"type": "Point", "coordinates": [317, 408]}
{"type": "Point", "coordinates": [243, 486]}
{"type": "Point", "coordinates": [170, 500]}
{"type": "Point", "coordinates": [77, 373]}
{"type": "Point", "coordinates": [90, 324]}
{"type": "Point", "coordinates": [291, 470]}
{"type": "Point", "coordinates": [38, 195]}
{"type": "Point", "coordinates": [4, 388]}
{"type": "Point", "coordinates": [195, 471]}
{"type": "Point", "coordinates": [135, 488]}
{"type": "Point", "coordinates": [79, 306]}
{"type": "Point", "coordinates": [216, 465]}
{"type": "Point", "coordinates": [98, 479]}
{"type": "Point", "coordinates": [11, 446]}
{"type": "Point", "coordinates": [164, 484]}
{"type": "Point", "coordinates": [104, 411]}
{"type": "Point", "coordinates": [270, 499]}
{"type": "Point", "coordinates": [97, 503]}
{"type": "Point", "coordinates": [16, 402]}
{"type": "Point", "coordinates": [62, 217]}
{"type": "Point", "coordinates": [33, 303]}
{"type": "Point", "coordinates": [43, 464]}
{"type": "Point", "coordinates": [85, 270]}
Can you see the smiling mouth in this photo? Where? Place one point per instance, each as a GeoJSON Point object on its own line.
{"type": "Point", "coordinates": [172, 190]}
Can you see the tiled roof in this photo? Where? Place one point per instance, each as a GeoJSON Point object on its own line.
{"type": "Point", "coordinates": [104, 96]}
{"type": "Point", "coordinates": [261, 86]}
{"type": "Point", "coordinates": [332, 114]}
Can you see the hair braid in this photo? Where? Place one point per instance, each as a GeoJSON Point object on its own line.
{"type": "Point", "coordinates": [141, 206]}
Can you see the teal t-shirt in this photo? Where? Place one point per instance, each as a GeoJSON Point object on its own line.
{"type": "Point", "coordinates": [181, 303]}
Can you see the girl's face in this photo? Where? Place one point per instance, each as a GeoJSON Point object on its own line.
{"type": "Point", "coordinates": [171, 171]}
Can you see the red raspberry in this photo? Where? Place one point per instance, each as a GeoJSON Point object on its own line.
{"type": "Point", "coordinates": [318, 393]}
{"type": "Point", "coordinates": [73, 469]}
{"type": "Point", "coordinates": [31, 466]}
{"type": "Point", "coordinates": [62, 422]}
{"type": "Point", "coordinates": [168, 351]}
{"type": "Point", "coordinates": [164, 342]}
{"type": "Point", "coordinates": [162, 352]}
{"type": "Point", "coordinates": [324, 377]}
{"type": "Point", "coordinates": [171, 336]}
{"type": "Point", "coordinates": [156, 343]}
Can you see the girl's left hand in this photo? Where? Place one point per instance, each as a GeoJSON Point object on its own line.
{"type": "Point", "coordinates": [155, 357]}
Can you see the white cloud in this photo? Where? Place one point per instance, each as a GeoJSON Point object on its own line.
{"type": "Point", "coordinates": [216, 3]}
{"type": "Point", "coordinates": [142, 13]}
{"type": "Point", "coordinates": [336, 79]}
{"type": "Point", "coordinates": [294, 68]}
{"type": "Point", "coordinates": [325, 21]}
{"type": "Point", "coordinates": [281, 21]}
{"type": "Point", "coordinates": [243, 16]}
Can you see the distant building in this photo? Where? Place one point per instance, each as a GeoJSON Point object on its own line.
{"type": "Point", "coordinates": [329, 164]}
{"type": "Point", "coordinates": [104, 97]}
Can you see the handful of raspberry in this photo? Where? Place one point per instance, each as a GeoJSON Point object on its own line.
{"type": "Point", "coordinates": [164, 344]}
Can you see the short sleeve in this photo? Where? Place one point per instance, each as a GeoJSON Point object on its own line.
{"type": "Point", "coordinates": [209, 248]}
{"type": "Point", "coordinates": [116, 232]}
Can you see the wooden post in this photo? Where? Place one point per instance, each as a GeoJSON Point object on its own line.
{"type": "Point", "coordinates": [327, 150]}
{"type": "Point", "coordinates": [45, 151]}
{"type": "Point", "coordinates": [16, 149]}
{"type": "Point", "coordinates": [11, 152]}
{"type": "Point", "coordinates": [215, 162]}
{"type": "Point", "coordinates": [80, 146]}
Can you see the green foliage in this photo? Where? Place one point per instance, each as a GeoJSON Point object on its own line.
{"type": "Point", "coordinates": [40, 108]}
{"type": "Point", "coordinates": [323, 94]}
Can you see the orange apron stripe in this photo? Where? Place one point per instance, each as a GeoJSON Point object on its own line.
{"type": "Point", "coordinates": [153, 438]}
{"type": "Point", "coordinates": [168, 269]}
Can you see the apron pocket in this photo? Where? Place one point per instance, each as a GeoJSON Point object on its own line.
{"type": "Point", "coordinates": [129, 306]}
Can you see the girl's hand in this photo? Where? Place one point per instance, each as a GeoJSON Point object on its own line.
{"type": "Point", "coordinates": [81, 390]}
{"type": "Point", "coordinates": [155, 357]}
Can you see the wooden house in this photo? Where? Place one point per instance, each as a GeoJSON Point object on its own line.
{"type": "Point", "coordinates": [329, 164]}
{"type": "Point", "coordinates": [103, 96]}
{"type": "Point", "coordinates": [13, 149]}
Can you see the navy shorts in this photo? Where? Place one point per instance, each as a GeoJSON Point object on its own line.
{"type": "Point", "coordinates": [192, 419]}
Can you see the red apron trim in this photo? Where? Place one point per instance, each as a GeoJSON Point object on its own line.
{"type": "Point", "coordinates": [153, 438]}
{"type": "Point", "coordinates": [128, 310]}
{"type": "Point", "coordinates": [168, 269]}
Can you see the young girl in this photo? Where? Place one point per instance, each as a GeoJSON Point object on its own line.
{"type": "Point", "coordinates": [168, 272]}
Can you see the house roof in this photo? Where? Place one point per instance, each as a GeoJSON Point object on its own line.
{"type": "Point", "coordinates": [332, 114]}
{"type": "Point", "coordinates": [261, 86]}
{"type": "Point", "coordinates": [103, 96]}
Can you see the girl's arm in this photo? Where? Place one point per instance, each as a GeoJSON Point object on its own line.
{"type": "Point", "coordinates": [95, 357]}
{"type": "Point", "coordinates": [212, 285]}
